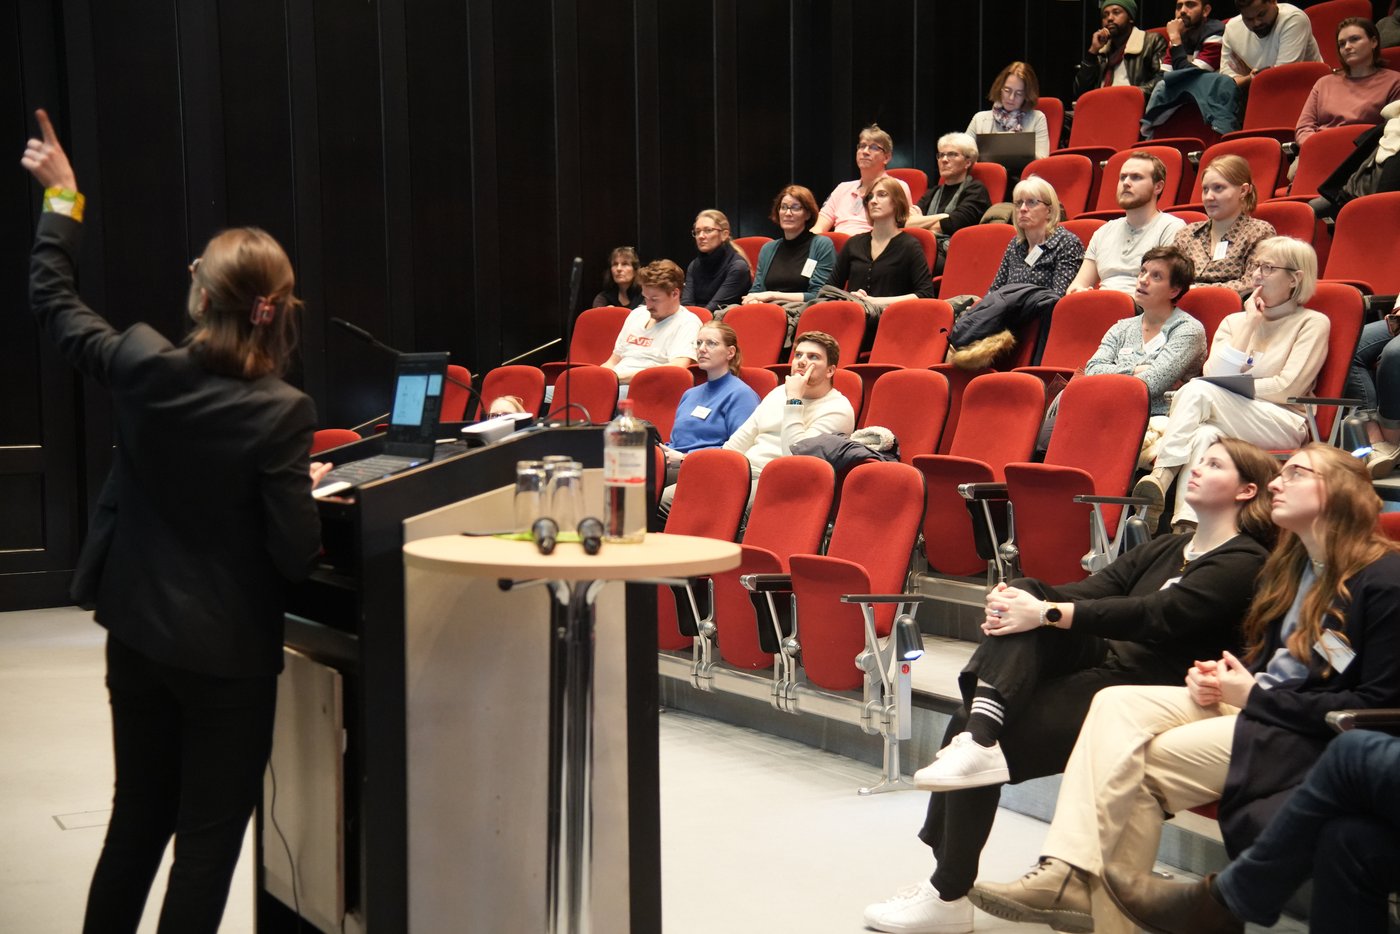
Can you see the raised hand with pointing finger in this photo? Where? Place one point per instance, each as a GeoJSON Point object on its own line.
{"type": "Point", "coordinates": [45, 158]}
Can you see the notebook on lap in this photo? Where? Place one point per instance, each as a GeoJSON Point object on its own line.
{"type": "Point", "coordinates": [413, 424]}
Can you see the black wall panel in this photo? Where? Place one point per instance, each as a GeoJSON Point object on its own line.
{"type": "Point", "coordinates": [432, 166]}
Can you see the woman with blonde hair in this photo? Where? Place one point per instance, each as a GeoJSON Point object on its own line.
{"type": "Point", "coordinates": [720, 274]}
{"type": "Point", "coordinates": [1222, 246]}
{"type": "Point", "coordinates": [1038, 266]}
{"type": "Point", "coordinates": [1275, 347]}
{"type": "Point", "coordinates": [1322, 634]}
{"type": "Point", "coordinates": [205, 517]}
{"type": "Point", "coordinates": [709, 413]}
{"type": "Point", "coordinates": [1013, 96]}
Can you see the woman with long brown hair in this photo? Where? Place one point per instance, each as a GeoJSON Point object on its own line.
{"type": "Point", "coordinates": [1050, 649]}
{"type": "Point", "coordinates": [1322, 634]}
{"type": "Point", "coordinates": [204, 518]}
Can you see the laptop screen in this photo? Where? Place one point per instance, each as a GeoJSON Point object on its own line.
{"type": "Point", "coordinates": [418, 382]}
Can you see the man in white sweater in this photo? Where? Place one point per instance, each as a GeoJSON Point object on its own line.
{"type": "Point", "coordinates": [805, 406]}
{"type": "Point", "coordinates": [1265, 34]}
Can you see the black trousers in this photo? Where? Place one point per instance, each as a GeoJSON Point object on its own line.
{"type": "Point", "coordinates": [1048, 678]}
{"type": "Point", "coordinates": [190, 752]}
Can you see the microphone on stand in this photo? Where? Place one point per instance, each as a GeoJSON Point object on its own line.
{"type": "Point", "coordinates": [575, 280]}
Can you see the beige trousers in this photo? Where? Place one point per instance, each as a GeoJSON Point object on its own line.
{"type": "Point", "coordinates": [1202, 413]}
{"type": "Point", "coordinates": [1143, 752]}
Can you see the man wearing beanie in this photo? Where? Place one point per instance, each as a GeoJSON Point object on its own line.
{"type": "Point", "coordinates": [1120, 53]}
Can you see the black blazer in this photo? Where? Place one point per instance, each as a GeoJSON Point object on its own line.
{"type": "Point", "coordinates": [209, 501]}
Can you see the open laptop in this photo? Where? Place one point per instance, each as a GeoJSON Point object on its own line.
{"type": "Point", "coordinates": [413, 424]}
{"type": "Point", "coordinates": [1013, 150]}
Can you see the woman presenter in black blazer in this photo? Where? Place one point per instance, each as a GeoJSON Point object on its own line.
{"type": "Point", "coordinates": [205, 517]}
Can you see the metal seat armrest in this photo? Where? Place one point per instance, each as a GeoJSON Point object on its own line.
{"type": "Point", "coordinates": [1091, 499]}
{"type": "Point", "coordinates": [980, 492]}
{"type": "Point", "coordinates": [1322, 400]}
{"type": "Point", "coordinates": [1379, 718]}
{"type": "Point", "coordinates": [885, 598]}
{"type": "Point", "coordinates": [767, 583]}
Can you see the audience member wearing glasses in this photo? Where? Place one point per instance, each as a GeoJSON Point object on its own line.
{"type": "Point", "coordinates": [720, 274]}
{"type": "Point", "coordinates": [710, 413]}
{"type": "Point", "coordinates": [795, 267]}
{"type": "Point", "coordinates": [1272, 351]}
{"type": "Point", "coordinates": [1013, 96]}
{"type": "Point", "coordinates": [844, 210]}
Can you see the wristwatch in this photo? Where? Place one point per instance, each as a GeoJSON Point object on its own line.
{"type": "Point", "coordinates": [794, 402]}
{"type": "Point", "coordinates": [1050, 615]}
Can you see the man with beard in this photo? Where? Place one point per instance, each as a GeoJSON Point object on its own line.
{"type": "Point", "coordinates": [1114, 255]}
{"type": "Point", "coordinates": [1120, 53]}
{"type": "Point", "coordinates": [1193, 37]}
{"type": "Point", "coordinates": [1265, 34]}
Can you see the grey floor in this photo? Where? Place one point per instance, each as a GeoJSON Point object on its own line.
{"type": "Point", "coordinates": [759, 834]}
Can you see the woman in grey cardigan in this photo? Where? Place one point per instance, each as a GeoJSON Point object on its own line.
{"type": "Point", "coordinates": [1163, 346]}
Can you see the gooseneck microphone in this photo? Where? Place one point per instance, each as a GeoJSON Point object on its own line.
{"type": "Point", "coordinates": [590, 533]}
{"type": "Point", "coordinates": [545, 532]}
{"type": "Point", "coordinates": [359, 333]}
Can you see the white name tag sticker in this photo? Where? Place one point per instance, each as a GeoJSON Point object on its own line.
{"type": "Point", "coordinates": [700, 412]}
{"type": "Point", "coordinates": [1221, 249]}
{"type": "Point", "coordinates": [1335, 650]}
{"type": "Point", "coordinates": [808, 268]}
{"type": "Point", "coordinates": [1033, 255]}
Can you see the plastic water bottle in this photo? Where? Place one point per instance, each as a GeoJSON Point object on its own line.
{"type": "Point", "coordinates": [625, 477]}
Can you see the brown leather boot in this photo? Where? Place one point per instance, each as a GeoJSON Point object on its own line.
{"type": "Point", "coordinates": [1154, 904]}
{"type": "Point", "coordinates": [1053, 893]}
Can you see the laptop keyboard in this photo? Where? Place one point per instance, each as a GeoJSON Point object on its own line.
{"type": "Point", "coordinates": [371, 468]}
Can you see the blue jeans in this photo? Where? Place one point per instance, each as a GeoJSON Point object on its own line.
{"type": "Point", "coordinates": [1342, 828]}
{"type": "Point", "coordinates": [1381, 390]}
{"type": "Point", "coordinates": [190, 751]}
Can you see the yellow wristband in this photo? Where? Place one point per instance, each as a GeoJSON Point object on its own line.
{"type": "Point", "coordinates": [64, 201]}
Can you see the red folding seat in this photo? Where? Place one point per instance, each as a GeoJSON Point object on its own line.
{"type": "Point", "coordinates": [524, 382]}
{"type": "Point", "coordinates": [914, 405]}
{"type": "Point", "coordinates": [1366, 244]}
{"type": "Point", "coordinates": [585, 394]}
{"type": "Point", "coordinates": [655, 392]}
{"type": "Point", "coordinates": [1077, 327]}
{"type": "Point", "coordinates": [974, 255]}
{"type": "Point", "coordinates": [999, 420]}
{"type": "Point", "coordinates": [1276, 98]}
{"type": "Point", "coordinates": [1093, 452]}
{"type": "Point", "coordinates": [1070, 174]}
{"type": "Point", "coordinates": [760, 328]}
{"type": "Point", "coordinates": [788, 517]}
{"type": "Point", "coordinates": [455, 394]}
{"type": "Point", "coordinates": [751, 246]}
{"type": "Point", "coordinates": [594, 336]}
{"type": "Point", "coordinates": [1210, 305]}
{"type": "Point", "coordinates": [711, 493]}
{"type": "Point", "coordinates": [911, 333]}
{"type": "Point", "coordinates": [916, 179]}
{"type": "Point", "coordinates": [992, 175]}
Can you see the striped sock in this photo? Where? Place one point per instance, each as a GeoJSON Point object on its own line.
{"type": "Point", "coordinates": [986, 715]}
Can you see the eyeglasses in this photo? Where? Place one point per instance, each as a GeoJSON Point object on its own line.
{"type": "Point", "coordinates": [870, 147]}
{"type": "Point", "coordinates": [950, 155]}
{"type": "Point", "coordinates": [1268, 269]}
{"type": "Point", "coordinates": [1007, 92]}
{"type": "Point", "coordinates": [790, 209]}
{"type": "Point", "coordinates": [709, 344]}
{"type": "Point", "coordinates": [194, 264]}
{"type": "Point", "coordinates": [1292, 473]}
{"type": "Point", "coordinates": [703, 231]}
{"type": "Point", "coordinates": [1029, 204]}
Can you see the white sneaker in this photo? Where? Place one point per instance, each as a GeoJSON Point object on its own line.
{"type": "Point", "coordinates": [919, 910]}
{"type": "Point", "coordinates": [964, 764]}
